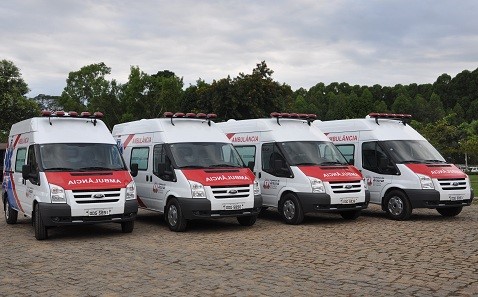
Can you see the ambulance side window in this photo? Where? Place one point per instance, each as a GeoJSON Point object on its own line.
{"type": "Point", "coordinates": [247, 153]}
{"type": "Point", "coordinates": [33, 164]}
{"type": "Point", "coordinates": [273, 161]}
{"type": "Point", "coordinates": [348, 151]}
{"type": "Point", "coordinates": [140, 155]}
{"type": "Point", "coordinates": [162, 166]}
{"type": "Point", "coordinates": [375, 159]}
{"type": "Point", "coordinates": [20, 159]}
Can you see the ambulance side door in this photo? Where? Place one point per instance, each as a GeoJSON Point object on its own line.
{"type": "Point", "coordinates": [19, 184]}
{"type": "Point", "coordinates": [274, 174]}
{"type": "Point", "coordinates": [32, 184]}
{"type": "Point", "coordinates": [377, 168]}
{"type": "Point", "coordinates": [164, 178]}
{"type": "Point", "coordinates": [140, 156]}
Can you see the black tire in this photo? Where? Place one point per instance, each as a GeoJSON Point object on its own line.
{"type": "Point", "coordinates": [398, 206]}
{"type": "Point", "coordinates": [450, 211]}
{"type": "Point", "coordinates": [127, 227]}
{"type": "Point", "coordinates": [247, 220]}
{"type": "Point", "coordinates": [11, 214]}
{"type": "Point", "coordinates": [41, 232]}
{"type": "Point", "coordinates": [291, 210]}
{"type": "Point", "coordinates": [174, 216]}
{"type": "Point", "coordinates": [350, 215]}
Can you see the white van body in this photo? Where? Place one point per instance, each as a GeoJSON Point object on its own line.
{"type": "Point", "coordinates": [66, 170]}
{"type": "Point", "coordinates": [188, 169]}
{"type": "Point", "coordinates": [402, 169]}
{"type": "Point", "coordinates": [298, 167]}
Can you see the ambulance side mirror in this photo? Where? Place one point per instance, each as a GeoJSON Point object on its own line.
{"type": "Point", "coordinates": [134, 169]}
{"type": "Point", "coordinates": [251, 165]}
{"type": "Point", "coordinates": [164, 172]}
{"type": "Point", "coordinates": [26, 172]}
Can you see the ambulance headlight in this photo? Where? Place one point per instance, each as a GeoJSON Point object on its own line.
{"type": "Point", "coordinates": [131, 191]}
{"type": "Point", "coordinates": [426, 182]}
{"type": "Point", "coordinates": [197, 190]}
{"type": "Point", "coordinates": [257, 189]}
{"type": "Point", "coordinates": [317, 185]}
{"type": "Point", "coordinates": [57, 194]}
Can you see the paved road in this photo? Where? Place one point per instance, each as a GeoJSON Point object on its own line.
{"type": "Point", "coordinates": [328, 256]}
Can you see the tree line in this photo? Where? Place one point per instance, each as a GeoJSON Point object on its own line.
{"type": "Point", "coordinates": [444, 111]}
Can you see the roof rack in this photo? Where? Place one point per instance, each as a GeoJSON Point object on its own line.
{"type": "Point", "coordinates": [71, 114]}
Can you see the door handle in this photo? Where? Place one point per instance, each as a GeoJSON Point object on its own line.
{"type": "Point", "coordinates": [259, 175]}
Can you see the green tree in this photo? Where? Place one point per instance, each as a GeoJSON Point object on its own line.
{"type": "Point", "coordinates": [13, 102]}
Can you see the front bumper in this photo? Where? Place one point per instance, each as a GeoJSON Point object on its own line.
{"type": "Point", "coordinates": [320, 202]}
{"type": "Point", "coordinates": [431, 199]}
{"type": "Point", "coordinates": [60, 215]}
{"type": "Point", "coordinates": [194, 208]}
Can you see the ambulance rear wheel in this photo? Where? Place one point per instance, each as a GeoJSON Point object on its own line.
{"type": "Point", "coordinates": [174, 216]}
{"type": "Point", "coordinates": [247, 220]}
{"type": "Point", "coordinates": [397, 206]}
{"type": "Point", "coordinates": [350, 215]}
{"type": "Point", "coordinates": [127, 227]}
{"type": "Point", "coordinates": [11, 214]}
{"type": "Point", "coordinates": [291, 210]}
{"type": "Point", "coordinates": [41, 232]}
{"type": "Point", "coordinates": [449, 211]}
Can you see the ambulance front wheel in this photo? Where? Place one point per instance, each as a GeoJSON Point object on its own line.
{"type": "Point", "coordinates": [127, 227]}
{"type": "Point", "coordinates": [247, 220]}
{"type": "Point", "coordinates": [174, 216]}
{"type": "Point", "coordinates": [11, 214]}
{"type": "Point", "coordinates": [291, 210]}
{"type": "Point", "coordinates": [40, 229]}
{"type": "Point", "coordinates": [449, 211]}
{"type": "Point", "coordinates": [397, 205]}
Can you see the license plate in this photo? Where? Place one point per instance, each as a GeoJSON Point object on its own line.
{"type": "Point", "coordinates": [232, 206]}
{"type": "Point", "coordinates": [348, 200]}
{"type": "Point", "coordinates": [456, 197]}
{"type": "Point", "coordinates": [98, 212]}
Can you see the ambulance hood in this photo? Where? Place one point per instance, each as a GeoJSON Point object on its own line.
{"type": "Point", "coordinates": [332, 173]}
{"type": "Point", "coordinates": [220, 177]}
{"type": "Point", "coordinates": [437, 170]}
{"type": "Point", "coordinates": [89, 180]}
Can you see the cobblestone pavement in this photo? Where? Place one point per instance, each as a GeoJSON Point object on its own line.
{"type": "Point", "coordinates": [325, 256]}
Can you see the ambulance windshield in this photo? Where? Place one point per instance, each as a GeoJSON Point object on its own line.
{"type": "Point", "coordinates": [312, 153]}
{"type": "Point", "coordinates": [205, 154]}
{"type": "Point", "coordinates": [412, 151]}
{"type": "Point", "coordinates": [80, 157]}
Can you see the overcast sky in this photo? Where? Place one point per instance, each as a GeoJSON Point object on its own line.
{"type": "Point", "coordinates": [303, 41]}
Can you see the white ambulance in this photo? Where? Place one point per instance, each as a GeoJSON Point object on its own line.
{"type": "Point", "coordinates": [298, 167]}
{"type": "Point", "coordinates": [186, 168]}
{"type": "Point", "coordinates": [65, 169]}
{"type": "Point", "coordinates": [402, 169]}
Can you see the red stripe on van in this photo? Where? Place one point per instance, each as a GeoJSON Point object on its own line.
{"type": "Point", "coordinates": [331, 174]}
{"type": "Point", "coordinates": [238, 176]}
{"type": "Point", "coordinates": [89, 180]}
{"type": "Point", "coordinates": [128, 140]}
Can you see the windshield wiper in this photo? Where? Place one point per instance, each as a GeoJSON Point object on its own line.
{"type": "Point", "coordinates": [434, 161]}
{"type": "Point", "coordinates": [191, 166]}
{"type": "Point", "coordinates": [332, 163]}
{"type": "Point", "coordinates": [411, 161]}
{"type": "Point", "coordinates": [93, 168]}
{"type": "Point", "coordinates": [223, 165]}
{"type": "Point", "coordinates": [306, 163]}
{"type": "Point", "coordinates": [59, 169]}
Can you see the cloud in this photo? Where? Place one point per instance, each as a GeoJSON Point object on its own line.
{"type": "Point", "coordinates": [304, 41]}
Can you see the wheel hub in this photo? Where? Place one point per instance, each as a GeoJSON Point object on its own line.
{"type": "Point", "coordinates": [289, 210]}
{"type": "Point", "coordinates": [173, 215]}
{"type": "Point", "coordinates": [395, 206]}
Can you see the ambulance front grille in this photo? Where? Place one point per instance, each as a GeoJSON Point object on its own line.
{"type": "Point", "coordinates": [346, 187]}
{"type": "Point", "coordinates": [96, 196]}
{"type": "Point", "coordinates": [225, 192]}
{"type": "Point", "coordinates": [451, 184]}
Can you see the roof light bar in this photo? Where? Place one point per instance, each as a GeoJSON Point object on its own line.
{"type": "Point", "coordinates": [405, 118]}
{"type": "Point", "coordinates": [302, 116]}
{"type": "Point", "coordinates": [190, 115]}
{"type": "Point", "coordinates": [73, 114]}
